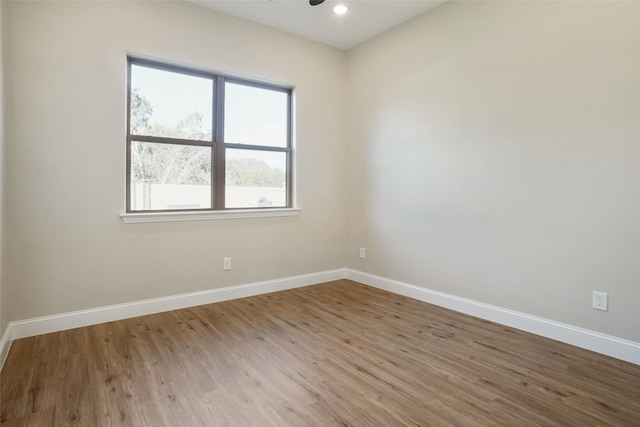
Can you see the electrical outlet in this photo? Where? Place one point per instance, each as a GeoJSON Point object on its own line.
{"type": "Point", "coordinates": [362, 253]}
{"type": "Point", "coordinates": [600, 300]}
{"type": "Point", "coordinates": [227, 263]}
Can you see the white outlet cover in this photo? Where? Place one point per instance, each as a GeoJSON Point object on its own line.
{"type": "Point", "coordinates": [600, 301]}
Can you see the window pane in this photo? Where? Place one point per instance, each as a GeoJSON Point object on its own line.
{"type": "Point", "coordinates": [255, 116]}
{"type": "Point", "coordinates": [169, 176]}
{"type": "Point", "coordinates": [255, 179]}
{"type": "Point", "coordinates": [169, 104]}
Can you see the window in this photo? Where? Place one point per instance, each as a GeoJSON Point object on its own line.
{"type": "Point", "coordinates": [204, 141]}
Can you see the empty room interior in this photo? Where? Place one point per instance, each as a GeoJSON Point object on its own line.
{"type": "Point", "coordinates": [263, 213]}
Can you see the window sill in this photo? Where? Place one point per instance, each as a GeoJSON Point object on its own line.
{"type": "Point", "coordinates": [134, 218]}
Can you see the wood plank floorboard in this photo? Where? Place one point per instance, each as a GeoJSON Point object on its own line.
{"type": "Point", "coordinates": [335, 354]}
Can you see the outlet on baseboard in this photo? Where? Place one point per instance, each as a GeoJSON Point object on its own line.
{"type": "Point", "coordinates": [600, 301]}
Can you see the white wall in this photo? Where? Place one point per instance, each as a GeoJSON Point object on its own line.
{"type": "Point", "coordinates": [4, 300]}
{"type": "Point", "coordinates": [494, 155]}
{"type": "Point", "coordinates": [65, 169]}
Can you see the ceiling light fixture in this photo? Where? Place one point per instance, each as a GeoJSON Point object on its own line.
{"type": "Point", "coordinates": [340, 9]}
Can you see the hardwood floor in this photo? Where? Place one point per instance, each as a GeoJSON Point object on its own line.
{"type": "Point", "coordinates": [335, 354]}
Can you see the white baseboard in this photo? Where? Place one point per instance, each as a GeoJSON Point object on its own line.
{"type": "Point", "coordinates": [619, 348]}
{"type": "Point", "coordinates": [60, 322]}
{"type": "Point", "coordinates": [611, 346]}
{"type": "Point", "coordinates": [5, 344]}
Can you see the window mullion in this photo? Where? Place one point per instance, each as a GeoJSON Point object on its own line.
{"type": "Point", "coordinates": [214, 138]}
{"type": "Point", "coordinates": [174, 141]}
{"type": "Point", "coordinates": [219, 155]}
{"type": "Point", "coordinates": [256, 147]}
{"type": "Point", "coordinates": [128, 155]}
{"type": "Point", "coordinates": [289, 171]}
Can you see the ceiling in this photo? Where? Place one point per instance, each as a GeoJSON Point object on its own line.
{"type": "Point", "coordinates": [364, 20]}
